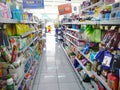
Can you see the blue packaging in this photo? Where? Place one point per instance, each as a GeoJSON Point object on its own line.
{"type": "Point", "coordinates": [73, 26]}
{"type": "Point", "coordinates": [118, 15]}
{"type": "Point", "coordinates": [107, 60]}
{"type": "Point", "coordinates": [16, 14]}
{"type": "Point", "coordinates": [92, 55]}
{"type": "Point", "coordinates": [99, 56]}
{"type": "Point", "coordinates": [107, 16]}
{"type": "Point", "coordinates": [75, 63]}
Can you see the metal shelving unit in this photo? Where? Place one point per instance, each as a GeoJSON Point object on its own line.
{"type": "Point", "coordinates": [85, 56]}
{"type": "Point", "coordinates": [71, 29]}
{"type": "Point", "coordinates": [6, 20]}
{"type": "Point", "coordinates": [30, 32]}
{"type": "Point", "coordinates": [104, 22]}
{"type": "Point", "coordinates": [88, 72]}
{"type": "Point", "coordinates": [102, 81]}
{"type": "Point", "coordinates": [93, 5]}
{"type": "Point", "coordinates": [71, 42]}
{"type": "Point", "coordinates": [22, 78]}
{"type": "Point", "coordinates": [80, 79]}
{"type": "Point", "coordinates": [28, 45]}
{"type": "Point", "coordinates": [76, 72]}
{"type": "Point", "coordinates": [83, 23]}
{"type": "Point", "coordinates": [27, 21]}
{"type": "Point", "coordinates": [110, 22]}
{"type": "Point", "coordinates": [13, 21]}
{"type": "Point", "coordinates": [72, 36]}
{"type": "Point", "coordinates": [35, 74]}
{"type": "Point", "coordinates": [93, 73]}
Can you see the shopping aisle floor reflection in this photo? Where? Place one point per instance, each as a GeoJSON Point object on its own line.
{"type": "Point", "coordinates": [55, 72]}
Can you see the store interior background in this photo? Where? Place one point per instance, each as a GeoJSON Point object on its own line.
{"type": "Point", "coordinates": [50, 15]}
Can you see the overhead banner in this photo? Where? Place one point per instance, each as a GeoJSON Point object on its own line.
{"type": "Point", "coordinates": [33, 4]}
{"type": "Point", "coordinates": [65, 9]}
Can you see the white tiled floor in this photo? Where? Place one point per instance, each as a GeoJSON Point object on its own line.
{"type": "Point", "coordinates": [55, 72]}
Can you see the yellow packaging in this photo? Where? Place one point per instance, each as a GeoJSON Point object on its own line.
{"type": "Point", "coordinates": [19, 29]}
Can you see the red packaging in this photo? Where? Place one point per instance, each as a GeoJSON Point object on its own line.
{"type": "Point", "coordinates": [112, 81]}
{"type": "Point", "coordinates": [100, 86]}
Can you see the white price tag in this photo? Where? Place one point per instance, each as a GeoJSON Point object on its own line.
{"type": "Point", "coordinates": [101, 27]}
{"type": "Point", "coordinates": [106, 27]}
{"type": "Point", "coordinates": [112, 27]}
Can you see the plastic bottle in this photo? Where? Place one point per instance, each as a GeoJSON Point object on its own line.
{"type": "Point", "coordinates": [10, 83]}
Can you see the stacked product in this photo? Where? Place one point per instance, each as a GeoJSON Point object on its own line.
{"type": "Point", "coordinates": [96, 59]}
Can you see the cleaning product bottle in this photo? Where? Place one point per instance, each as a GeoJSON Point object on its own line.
{"type": "Point", "coordinates": [10, 83]}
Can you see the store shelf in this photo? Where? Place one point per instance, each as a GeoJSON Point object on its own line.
{"type": "Point", "coordinates": [28, 45]}
{"type": "Point", "coordinates": [88, 23]}
{"type": "Point", "coordinates": [24, 35]}
{"type": "Point", "coordinates": [98, 77]}
{"type": "Point", "coordinates": [71, 29]}
{"type": "Point", "coordinates": [104, 22]}
{"type": "Point", "coordinates": [88, 72]}
{"type": "Point", "coordinates": [27, 21]}
{"type": "Point", "coordinates": [35, 75]}
{"type": "Point", "coordinates": [110, 22]}
{"type": "Point", "coordinates": [72, 65]}
{"type": "Point", "coordinates": [67, 23]}
{"type": "Point", "coordinates": [76, 72]}
{"type": "Point", "coordinates": [13, 21]}
{"type": "Point", "coordinates": [71, 42]}
{"type": "Point", "coordinates": [85, 56]}
{"type": "Point", "coordinates": [27, 60]}
{"type": "Point", "coordinates": [93, 5]}
{"type": "Point", "coordinates": [93, 73]}
{"type": "Point", "coordinates": [6, 20]}
{"type": "Point", "coordinates": [21, 79]}
{"type": "Point", "coordinates": [72, 36]}
{"type": "Point", "coordinates": [83, 23]}
{"type": "Point", "coordinates": [102, 81]}
{"type": "Point", "coordinates": [33, 78]}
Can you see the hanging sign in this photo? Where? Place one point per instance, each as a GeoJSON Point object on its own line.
{"type": "Point", "coordinates": [65, 9]}
{"type": "Point", "coordinates": [33, 4]}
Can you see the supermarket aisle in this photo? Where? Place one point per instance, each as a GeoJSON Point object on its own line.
{"type": "Point", "coordinates": [55, 72]}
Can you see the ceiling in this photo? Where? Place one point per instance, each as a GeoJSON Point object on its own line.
{"type": "Point", "coordinates": [51, 8]}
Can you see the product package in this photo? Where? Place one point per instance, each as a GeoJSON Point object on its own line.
{"type": "Point", "coordinates": [113, 42]}
{"type": "Point", "coordinates": [16, 14]}
{"type": "Point", "coordinates": [109, 1]}
{"type": "Point", "coordinates": [2, 38]}
{"type": "Point", "coordinates": [107, 37]}
{"type": "Point", "coordinates": [4, 11]}
{"type": "Point", "coordinates": [100, 86]}
{"type": "Point", "coordinates": [112, 81]}
{"type": "Point", "coordinates": [107, 60]}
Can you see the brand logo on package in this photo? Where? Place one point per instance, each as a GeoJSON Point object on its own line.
{"type": "Point", "coordinates": [33, 4]}
{"type": "Point", "coordinates": [65, 9]}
